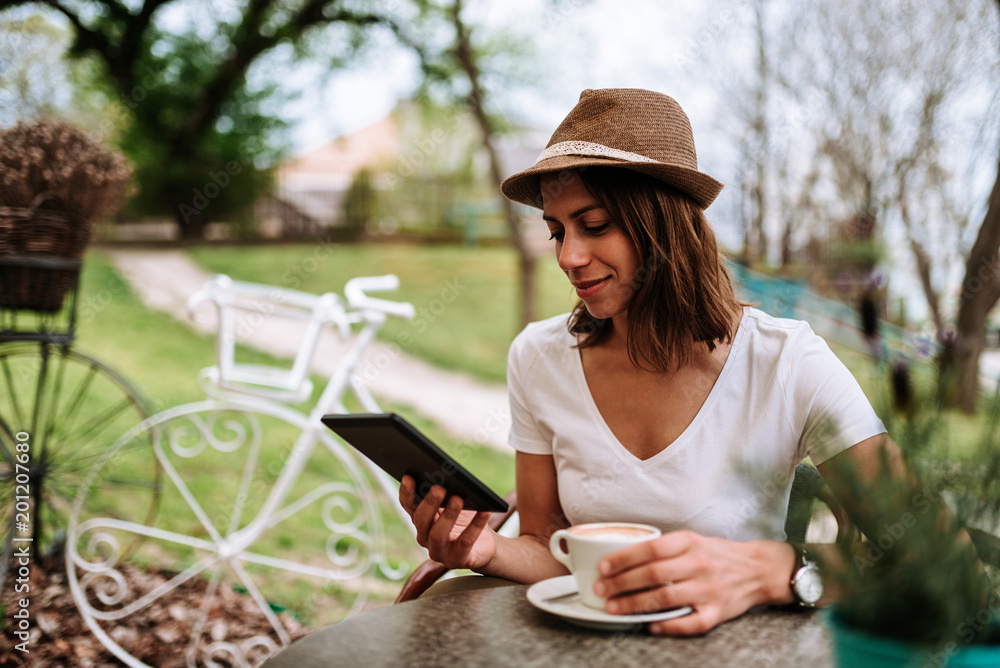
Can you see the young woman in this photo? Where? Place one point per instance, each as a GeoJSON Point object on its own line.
{"type": "Point", "coordinates": [661, 398]}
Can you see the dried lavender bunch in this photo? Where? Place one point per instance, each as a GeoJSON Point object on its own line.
{"type": "Point", "coordinates": [57, 158]}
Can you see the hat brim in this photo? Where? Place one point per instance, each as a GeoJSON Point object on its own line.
{"type": "Point", "coordinates": [524, 187]}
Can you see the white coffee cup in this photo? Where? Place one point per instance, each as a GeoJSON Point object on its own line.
{"type": "Point", "coordinates": [587, 544]}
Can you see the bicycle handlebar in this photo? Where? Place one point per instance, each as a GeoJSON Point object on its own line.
{"type": "Point", "coordinates": [223, 290]}
{"type": "Point", "coordinates": [356, 288]}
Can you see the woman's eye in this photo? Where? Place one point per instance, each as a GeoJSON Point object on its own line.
{"type": "Point", "coordinates": [558, 235]}
{"type": "Point", "coordinates": [597, 230]}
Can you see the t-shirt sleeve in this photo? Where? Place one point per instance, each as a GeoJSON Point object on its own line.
{"type": "Point", "coordinates": [829, 406]}
{"type": "Point", "coordinates": [525, 433]}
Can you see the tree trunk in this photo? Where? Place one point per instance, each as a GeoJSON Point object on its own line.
{"type": "Point", "coordinates": [980, 291]}
{"type": "Point", "coordinates": [466, 58]}
{"type": "Point", "coordinates": [527, 263]}
{"type": "Point", "coordinates": [930, 294]}
{"type": "Point", "coordinates": [786, 246]}
{"type": "Point", "coordinates": [757, 244]}
{"type": "Point", "coordinates": [190, 221]}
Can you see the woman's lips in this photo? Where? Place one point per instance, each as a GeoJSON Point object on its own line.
{"type": "Point", "coordinates": [587, 289]}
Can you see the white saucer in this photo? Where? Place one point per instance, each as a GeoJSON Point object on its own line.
{"type": "Point", "coordinates": [574, 611]}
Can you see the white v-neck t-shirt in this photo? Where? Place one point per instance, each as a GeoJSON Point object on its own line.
{"type": "Point", "coordinates": [782, 395]}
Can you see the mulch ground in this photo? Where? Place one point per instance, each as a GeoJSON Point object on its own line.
{"type": "Point", "coordinates": [157, 635]}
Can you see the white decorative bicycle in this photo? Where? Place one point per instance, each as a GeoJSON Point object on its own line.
{"type": "Point", "coordinates": [254, 520]}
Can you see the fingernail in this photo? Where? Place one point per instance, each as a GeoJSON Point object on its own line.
{"type": "Point", "coordinates": [604, 567]}
{"type": "Point", "coordinates": [600, 589]}
{"type": "Point", "coordinates": [614, 606]}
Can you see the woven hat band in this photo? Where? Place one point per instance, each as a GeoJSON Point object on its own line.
{"type": "Point", "coordinates": [590, 149]}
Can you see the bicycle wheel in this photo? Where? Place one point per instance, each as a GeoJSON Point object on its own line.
{"type": "Point", "coordinates": [60, 411]}
{"type": "Point", "coordinates": [222, 570]}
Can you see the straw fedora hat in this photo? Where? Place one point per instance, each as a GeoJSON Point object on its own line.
{"type": "Point", "coordinates": [630, 128]}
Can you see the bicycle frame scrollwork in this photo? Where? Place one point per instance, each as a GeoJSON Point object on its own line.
{"type": "Point", "coordinates": [229, 536]}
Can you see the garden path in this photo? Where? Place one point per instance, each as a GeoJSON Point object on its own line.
{"type": "Point", "coordinates": [469, 409]}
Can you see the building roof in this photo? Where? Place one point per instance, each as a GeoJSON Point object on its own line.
{"type": "Point", "coordinates": [333, 165]}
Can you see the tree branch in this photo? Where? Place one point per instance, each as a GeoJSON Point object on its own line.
{"type": "Point", "coordinates": [466, 59]}
{"type": "Point", "coordinates": [249, 43]}
{"type": "Point", "coordinates": [131, 44]}
{"type": "Point", "coordinates": [86, 38]}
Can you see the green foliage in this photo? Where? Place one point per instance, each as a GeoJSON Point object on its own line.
{"type": "Point", "coordinates": [200, 94]}
{"type": "Point", "coordinates": [859, 255]}
{"type": "Point", "coordinates": [359, 204]}
{"type": "Point", "coordinates": [917, 578]}
{"type": "Point", "coordinates": [219, 170]}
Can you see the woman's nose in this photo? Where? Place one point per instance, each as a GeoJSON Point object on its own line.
{"type": "Point", "coordinates": [572, 253]}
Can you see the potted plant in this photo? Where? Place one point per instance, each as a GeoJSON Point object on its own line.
{"type": "Point", "coordinates": [920, 590]}
{"type": "Point", "coordinates": [55, 181]}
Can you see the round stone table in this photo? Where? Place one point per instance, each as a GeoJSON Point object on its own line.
{"type": "Point", "coordinates": [499, 627]}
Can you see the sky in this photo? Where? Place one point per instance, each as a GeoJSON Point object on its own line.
{"type": "Point", "coordinates": [581, 44]}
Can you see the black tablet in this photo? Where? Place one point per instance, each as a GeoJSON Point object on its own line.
{"type": "Point", "coordinates": [399, 449]}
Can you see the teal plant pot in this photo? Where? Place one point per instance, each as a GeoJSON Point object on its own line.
{"type": "Point", "coordinates": [855, 649]}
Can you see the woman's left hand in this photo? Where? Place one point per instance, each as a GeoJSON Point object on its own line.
{"type": "Point", "coordinates": [721, 579]}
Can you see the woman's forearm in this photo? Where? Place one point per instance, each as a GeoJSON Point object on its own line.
{"type": "Point", "coordinates": [525, 559]}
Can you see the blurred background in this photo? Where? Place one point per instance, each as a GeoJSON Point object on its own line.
{"type": "Point", "coordinates": [849, 136]}
{"type": "Point", "coordinates": [865, 135]}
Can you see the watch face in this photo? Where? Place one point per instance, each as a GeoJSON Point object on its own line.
{"type": "Point", "coordinates": [808, 584]}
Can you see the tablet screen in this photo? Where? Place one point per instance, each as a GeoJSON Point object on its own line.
{"type": "Point", "coordinates": [399, 449]}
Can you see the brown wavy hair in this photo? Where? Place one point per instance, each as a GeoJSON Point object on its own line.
{"type": "Point", "coordinates": [683, 291]}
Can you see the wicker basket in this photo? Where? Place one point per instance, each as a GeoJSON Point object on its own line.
{"type": "Point", "coordinates": [43, 230]}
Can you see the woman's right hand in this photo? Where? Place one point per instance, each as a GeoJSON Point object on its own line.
{"type": "Point", "coordinates": [454, 537]}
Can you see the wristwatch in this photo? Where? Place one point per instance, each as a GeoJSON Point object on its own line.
{"type": "Point", "coordinates": [807, 585]}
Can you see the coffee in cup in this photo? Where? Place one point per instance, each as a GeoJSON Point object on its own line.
{"type": "Point", "coordinates": [587, 544]}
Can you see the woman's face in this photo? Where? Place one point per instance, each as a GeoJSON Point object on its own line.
{"type": "Point", "coordinates": [596, 254]}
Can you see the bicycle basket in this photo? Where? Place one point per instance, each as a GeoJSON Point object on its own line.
{"type": "Point", "coordinates": [43, 230]}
